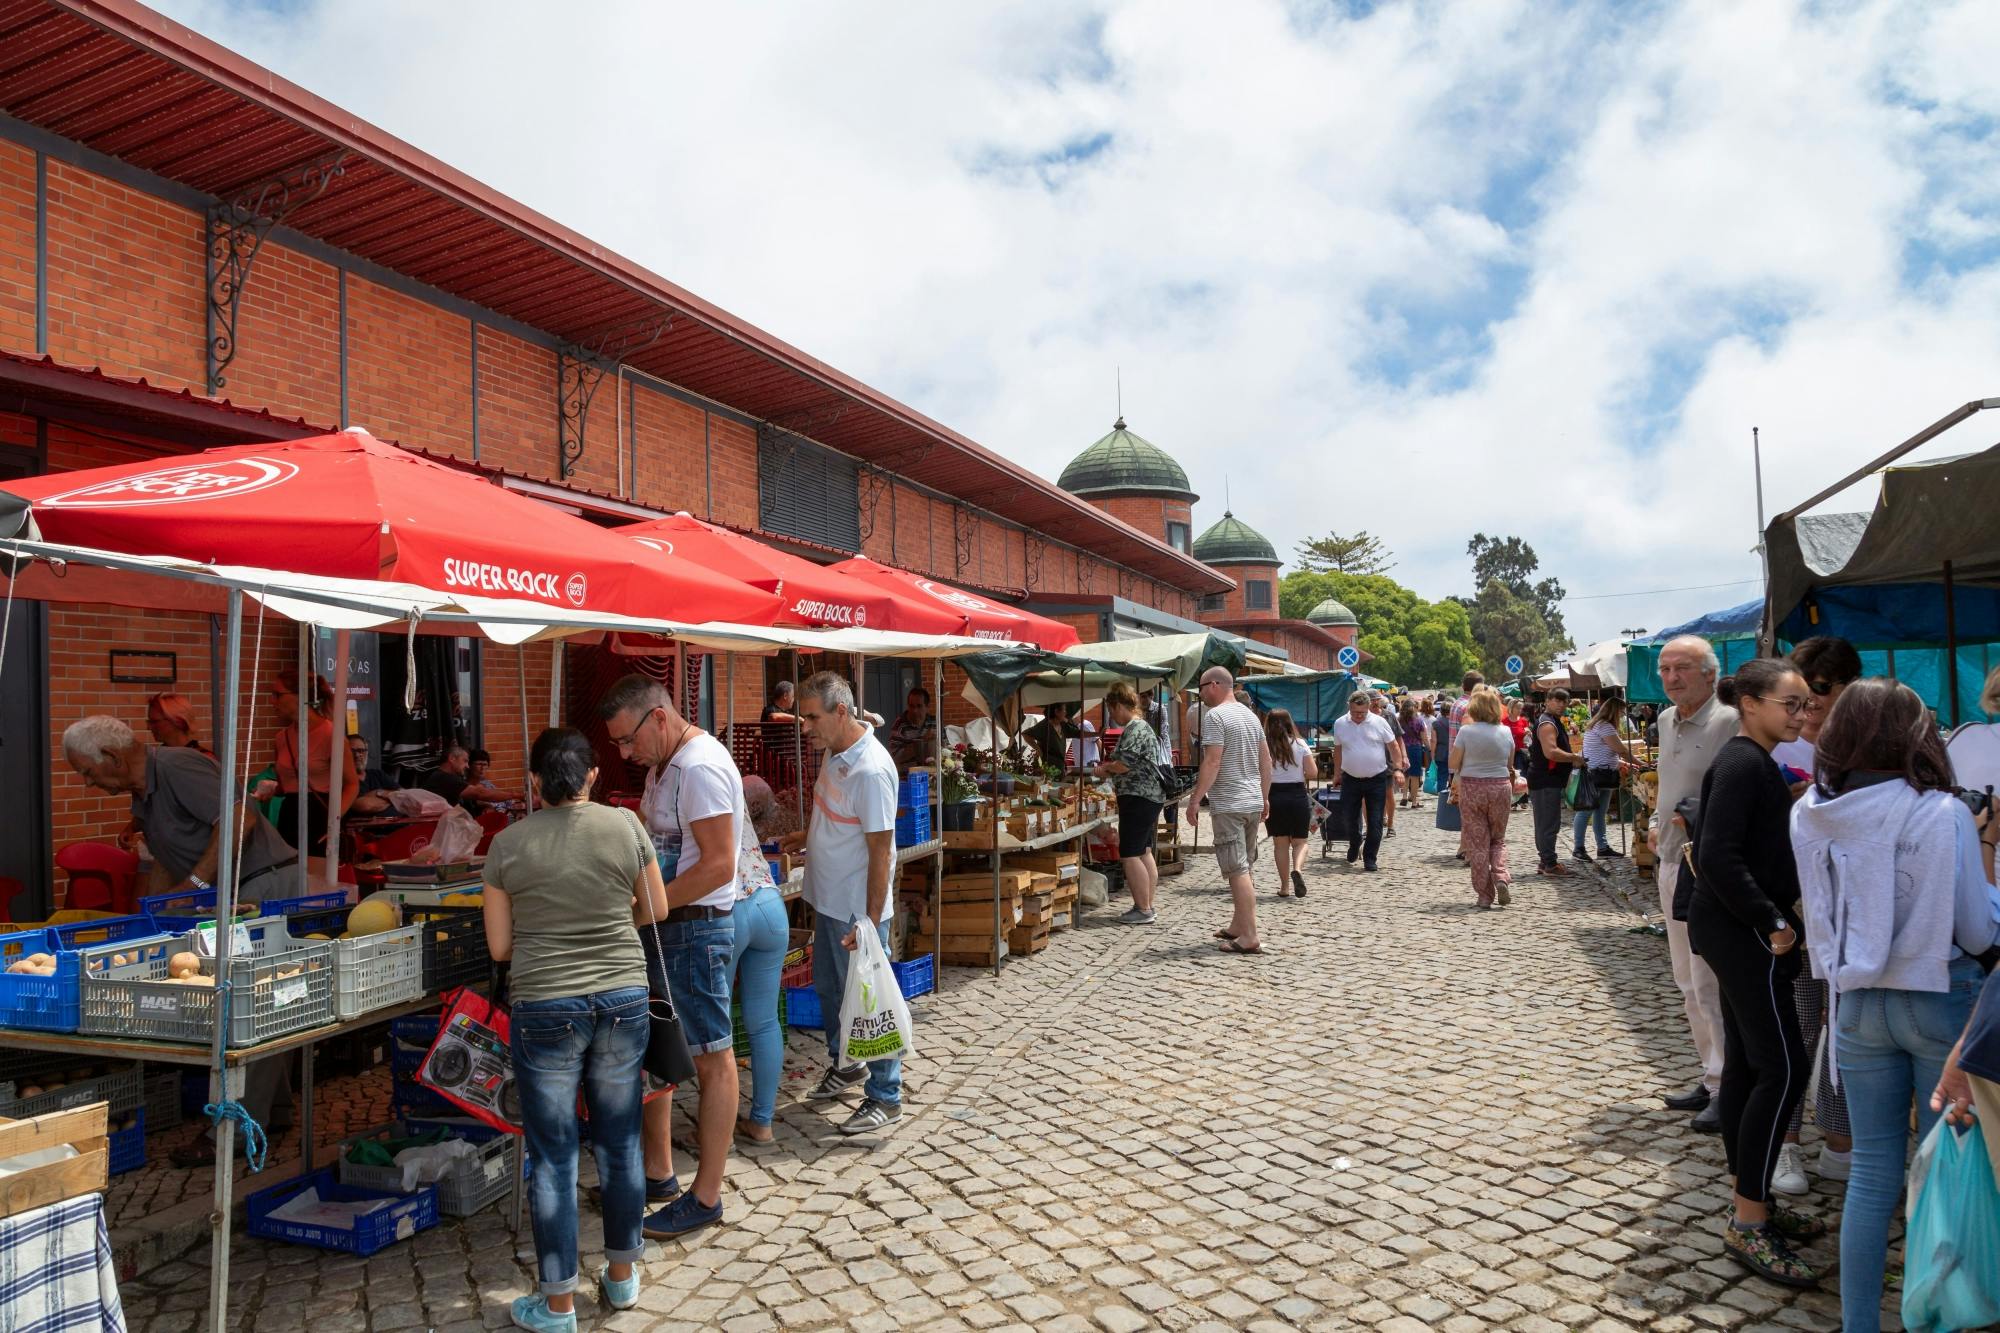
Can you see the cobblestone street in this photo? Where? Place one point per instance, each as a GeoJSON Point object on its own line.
{"type": "Point", "coordinates": [1405, 1115]}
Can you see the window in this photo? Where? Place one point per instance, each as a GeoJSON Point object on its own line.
{"type": "Point", "coordinates": [1213, 602]}
{"type": "Point", "coordinates": [1257, 595]}
{"type": "Point", "coordinates": [807, 492]}
{"type": "Point", "coordinates": [1178, 537]}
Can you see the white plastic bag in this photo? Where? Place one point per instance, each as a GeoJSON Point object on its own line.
{"type": "Point", "coordinates": [457, 836]}
{"type": "Point", "coordinates": [874, 1020]}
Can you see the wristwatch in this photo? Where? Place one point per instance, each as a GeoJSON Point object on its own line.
{"type": "Point", "coordinates": [200, 883]}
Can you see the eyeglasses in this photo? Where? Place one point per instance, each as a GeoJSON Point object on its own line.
{"type": "Point", "coordinates": [625, 742]}
{"type": "Point", "coordinates": [1789, 704]}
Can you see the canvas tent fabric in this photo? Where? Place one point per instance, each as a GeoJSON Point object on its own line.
{"type": "Point", "coordinates": [994, 677]}
{"type": "Point", "coordinates": [1317, 699]}
{"type": "Point", "coordinates": [1187, 654]}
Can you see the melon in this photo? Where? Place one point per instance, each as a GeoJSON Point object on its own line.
{"type": "Point", "coordinates": [371, 916]}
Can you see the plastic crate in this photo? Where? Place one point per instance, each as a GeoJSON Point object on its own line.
{"type": "Point", "coordinates": [797, 974]}
{"type": "Point", "coordinates": [467, 1187]}
{"type": "Point", "coordinates": [802, 1008]}
{"type": "Point", "coordinates": [914, 789]}
{"type": "Point", "coordinates": [126, 1148]}
{"type": "Point", "coordinates": [403, 1217]}
{"type": "Point", "coordinates": [410, 1039]}
{"type": "Point", "coordinates": [43, 1003]}
{"type": "Point", "coordinates": [914, 828]}
{"type": "Point", "coordinates": [75, 935]}
{"type": "Point", "coordinates": [916, 977]}
{"type": "Point", "coordinates": [330, 922]}
{"type": "Point", "coordinates": [135, 1000]}
{"type": "Point", "coordinates": [376, 971]}
{"type": "Point", "coordinates": [311, 902]}
{"type": "Point", "coordinates": [163, 1100]}
{"type": "Point", "coordinates": [455, 952]}
{"type": "Point", "coordinates": [121, 1088]}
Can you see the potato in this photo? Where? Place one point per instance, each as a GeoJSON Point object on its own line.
{"type": "Point", "coordinates": [183, 965]}
{"type": "Point", "coordinates": [40, 958]}
{"type": "Point", "coordinates": [29, 1091]}
{"type": "Point", "coordinates": [120, 960]}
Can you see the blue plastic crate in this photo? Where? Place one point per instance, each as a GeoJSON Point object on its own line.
{"type": "Point", "coordinates": [916, 977]}
{"type": "Point", "coordinates": [104, 930]}
{"type": "Point", "coordinates": [403, 1217]}
{"type": "Point", "coordinates": [127, 1147]}
{"type": "Point", "coordinates": [44, 1004]}
{"type": "Point", "coordinates": [802, 1008]}
{"type": "Point", "coordinates": [914, 789]}
{"type": "Point", "coordinates": [311, 902]}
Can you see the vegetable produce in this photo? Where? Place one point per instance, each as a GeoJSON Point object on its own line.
{"type": "Point", "coordinates": [183, 965]}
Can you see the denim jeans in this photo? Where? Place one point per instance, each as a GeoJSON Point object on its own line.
{"type": "Point", "coordinates": [762, 937]}
{"type": "Point", "coordinates": [700, 956]}
{"type": "Point", "coordinates": [596, 1042]}
{"type": "Point", "coordinates": [1594, 814]}
{"type": "Point", "coordinates": [1359, 798]}
{"type": "Point", "coordinates": [1892, 1048]}
{"type": "Point", "coordinates": [885, 1077]}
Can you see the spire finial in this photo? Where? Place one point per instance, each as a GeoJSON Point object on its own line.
{"type": "Point", "coordinates": [1118, 373]}
{"type": "Point", "coordinates": [1228, 510]}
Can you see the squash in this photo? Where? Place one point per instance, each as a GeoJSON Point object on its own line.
{"type": "Point", "coordinates": [183, 965]}
{"type": "Point", "coordinates": [371, 916]}
{"type": "Point", "coordinates": [198, 979]}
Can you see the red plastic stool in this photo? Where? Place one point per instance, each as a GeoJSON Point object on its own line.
{"type": "Point", "coordinates": [101, 877]}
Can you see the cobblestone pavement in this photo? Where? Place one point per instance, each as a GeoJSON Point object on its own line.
{"type": "Point", "coordinates": [1407, 1114]}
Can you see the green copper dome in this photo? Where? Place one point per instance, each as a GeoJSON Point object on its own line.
{"type": "Point", "coordinates": [1331, 612]}
{"type": "Point", "coordinates": [1125, 464]}
{"type": "Point", "coordinates": [1234, 542]}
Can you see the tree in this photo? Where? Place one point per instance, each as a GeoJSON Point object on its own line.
{"type": "Point", "coordinates": [1512, 562]}
{"type": "Point", "coordinates": [1412, 641]}
{"type": "Point", "coordinates": [1504, 624]}
{"type": "Point", "coordinates": [1335, 554]}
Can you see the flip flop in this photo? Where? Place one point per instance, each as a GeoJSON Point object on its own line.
{"type": "Point", "coordinates": [1224, 935]}
{"type": "Point", "coordinates": [1234, 945]}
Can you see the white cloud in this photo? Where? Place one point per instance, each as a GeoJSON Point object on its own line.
{"type": "Point", "coordinates": [1447, 267]}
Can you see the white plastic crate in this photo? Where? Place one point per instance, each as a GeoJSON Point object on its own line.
{"type": "Point", "coordinates": [376, 971]}
{"type": "Point", "coordinates": [135, 999]}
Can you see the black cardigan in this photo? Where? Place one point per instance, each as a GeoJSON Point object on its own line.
{"type": "Point", "coordinates": [1743, 855]}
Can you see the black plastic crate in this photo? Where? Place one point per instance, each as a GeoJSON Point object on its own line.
{"type": "Point", "coordinates": [455, 952]}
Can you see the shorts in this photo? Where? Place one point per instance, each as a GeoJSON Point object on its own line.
{"type": "Point", "coordinates": [1235, 839]}
{"type": "Point", "coordinates": [700, 957]}
{"type": "Point", "coordinates": [1138, 824]}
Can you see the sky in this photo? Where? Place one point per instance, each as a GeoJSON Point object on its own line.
{"type": "Point", "coordinates": [1426, 270]}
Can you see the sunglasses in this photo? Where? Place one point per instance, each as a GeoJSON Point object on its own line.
{"type": "Point", "coordinates": [1821, 687]}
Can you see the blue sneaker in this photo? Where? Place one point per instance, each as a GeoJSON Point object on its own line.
{"type": "Point", "coordinates": [619, 1295]}
{"type": "Point", "coordinates": [663, 1191]}
{"type": "Point", "coordinates": [532, 1312]}
{"type": "Point", "coordinates": [680, 1217]}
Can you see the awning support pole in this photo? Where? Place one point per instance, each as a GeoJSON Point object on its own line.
{"type": "Point", "coordinates": [336, 761]}
{"type": "Point", "coordinates": [1951, 642]}
{"type": "Point", "coordinates": [302, 767]}
{"type": "Point", "coordinates": [225, 886]}
{"type": "Point", "coordinates": [527, 742]}
{"type": "Point", "coordinates": [937, 800]}
{"type": "Point", "coordinates": [993, 852]}
{"type": "Point", "coordinates": [799, 745]}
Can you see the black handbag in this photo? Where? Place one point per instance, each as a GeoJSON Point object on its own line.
{"type": "Point", "coordinates": [668, 1058]}
{"type": "Point", "coordinates": [1174, 782]}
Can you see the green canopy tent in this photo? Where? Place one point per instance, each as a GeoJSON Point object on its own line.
{"type": "Point", "coordinates": [1315, 699]}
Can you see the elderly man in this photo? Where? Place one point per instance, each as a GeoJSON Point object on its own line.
{"type": "Point", "coordinates": [1691, 732]}
{"type": "Point", "coordinates": [1367, 755]}
{"type": "Point", "coordinates": [1235, 776]}
{"type": "Point", "coordinates": [176, 797]}
{"type": "Point", "coordinates": [693, 808]}
{"type": "Point", "coordinates": [850, 861]}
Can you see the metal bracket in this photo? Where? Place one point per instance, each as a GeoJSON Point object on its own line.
{"type": "Point", "coordinates": [581, 367]}
{"type": "Point", "coordinates": [1031, 561]}
{"type": "Point", "coordinates": [1086, 575]}
{"type": "Point", "coordinates": [963, 526]}
{"type": "Point", "coordinates": [874, 484]}
{"type": "Point", "coordinates": [236, 231]}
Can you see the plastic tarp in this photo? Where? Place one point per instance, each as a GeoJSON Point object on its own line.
{"type": "Point", "coordinates": [996, 676]}
{"type": "Point", "coordinates": [1605, 660]}
{"type": "Point", "coordinates": [1732, 632]}
{"type": "Point", "coordinates": [1187, 654]}
{"type": "Point", "coordinates": [1317, 699]}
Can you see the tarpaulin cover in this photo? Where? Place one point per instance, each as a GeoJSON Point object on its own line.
{"type": "Point", "coordinates": [1187, 654]}
{"type": "Point", "coordinates": [979, 618]}
{"type": "Point", "coordinates": [998, 675]}
{"type": "Point", "coordinates": [1317, 699]}
{"type": "Point", "coordinates": [349, 506]}
{"type": "Point", "coordinates": [813, 595]}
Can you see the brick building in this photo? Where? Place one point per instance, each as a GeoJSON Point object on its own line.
{"type": "Point", "coordinates": [194, 252]}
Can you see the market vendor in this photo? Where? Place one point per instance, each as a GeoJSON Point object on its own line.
{"type": "Point", "coordinates": [286, 762]}
{"type": "Point", "coordinates": [177, 801]}
{"type": "Point", "coordinates": [1051, 736]}
{"type": "Point", "coordinates": [170, 717]}
{"type": "Point", "coordinates": [913, 735]}
{"type": "Point", "coordinates": [371, 797]}
{"type": "Point", "coordinates": [779, 706]}
{"type": "Point", "coordinates": [458, 781]}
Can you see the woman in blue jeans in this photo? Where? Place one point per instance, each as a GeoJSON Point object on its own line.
{"type": "Point", "coordinates": [1896, 878]}
{"type": "Point", "coordinates": [763, 936]}
{"type": "Point", "coordinates": [565, 888]}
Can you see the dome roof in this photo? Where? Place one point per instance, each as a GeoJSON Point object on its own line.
{"type": "Point", "coordinates": [1331, 612]}
{"type": "Point", "coordinates": [1123, 463]}
{"type": "Point", "coordinates": [1233, 542]}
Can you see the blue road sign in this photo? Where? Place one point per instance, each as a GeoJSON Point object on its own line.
{"type": "Point", "coordinates": [1514, 665]}
{"type": "Point", "coordinates": [1350, 656]}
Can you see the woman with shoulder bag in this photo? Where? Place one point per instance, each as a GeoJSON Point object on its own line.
{"type": "Point", "coordinates": [1743, 921]}
{"type": "Point", "coordinates": [1897, 877]}
{"type": "Point", "coordinates": [565, 890]}
{"type": "Point", "coordinates": [1604, 759]}
{"type": "Point", "coordinates": [1134, 769]}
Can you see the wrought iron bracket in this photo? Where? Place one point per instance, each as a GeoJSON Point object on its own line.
{"type": "Point", "coordinates": [874, 484]}
{"type": "Point", "coordinates": [1031, 561]}
{"type": "Point", "coordinates": [237, 228]}
{"type": "Point", "coordinates": [963, 525]}
{"type": "Point", "coordinates": [581, 367]}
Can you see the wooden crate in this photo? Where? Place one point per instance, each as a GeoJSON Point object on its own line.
{"type": "Point", "coordinates": [1023, 941]}
{"type": "Point", "coordinates": [958, 950]}
{"type": "Point", "coordinates": [981, 881]}
{"type": "Point", "coordinates": [82, 1128]}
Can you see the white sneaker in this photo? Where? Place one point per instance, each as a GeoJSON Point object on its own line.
{"type": "Point", "coordinates": [1790, 1177]}
{"type": "Point", "coordinates": [1833, 1165]}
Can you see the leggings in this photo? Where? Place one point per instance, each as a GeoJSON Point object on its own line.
{"type": "Point", "coordinates": [1764, 1063]}
{"type": "Point", "coordinates": [1829, 1104]}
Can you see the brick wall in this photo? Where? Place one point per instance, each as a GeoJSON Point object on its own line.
{"type": "Point", "coordinates": [733, 459]}
{"type": "Point", "coordinates": [409, 369]}
{"type": "Point", "coordinates": [288, 339]}
{"type": "Point", "coordinates": [667, 434]}
{"type": "Point", "coordinates": [17, 247]}
{"type": "Point", "coordinates": [517, 404]}
{"type": "Point", "coordinates": [1233, 604]}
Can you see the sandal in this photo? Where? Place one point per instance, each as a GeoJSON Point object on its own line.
{"type": "Point", "coordinates": [1224, 934]}
{"type": "Point", "coordinates": [1234, 945]}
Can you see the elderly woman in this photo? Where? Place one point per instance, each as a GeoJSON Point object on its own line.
{"type": "Point", "coordinates": [566, 889]}
{"type": "Point", "coordinates": [1134, 770]}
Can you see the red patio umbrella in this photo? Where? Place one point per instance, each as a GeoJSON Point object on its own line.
{"type": "Point", "coordinates": [811, 595]}
{"type": "Point", "coordinates": [350, 506]}
{"type": "Point", "coordinates": [980, 618]}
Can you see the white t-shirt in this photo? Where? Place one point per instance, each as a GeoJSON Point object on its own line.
{"type": "Point", "coordinates": [1086, 745]}
{"type": "Point", "coordinates": [1296, 770]}
{"type": "Point", "coordinates": [854, 796]}
{"type": "Point", "coordinates": [1364, 745]}
{"type": "Point", "coordinates": [699, 782]}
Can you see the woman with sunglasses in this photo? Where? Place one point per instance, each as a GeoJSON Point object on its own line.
{"type": "Point", "coordinates": [1744, 922]}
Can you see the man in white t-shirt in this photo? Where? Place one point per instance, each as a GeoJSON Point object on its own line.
{"type": "Point", "coordinates": [1236, 778]}
{"type": "Point", "coordinates": [1366, 759]}
{"type": "Point", "coordinates": [693, 808]}
{"type": "Point", "coordinates": [850, 860]}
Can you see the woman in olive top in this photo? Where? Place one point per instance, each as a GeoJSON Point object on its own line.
{"type": "Point", "coordinates": [565, 890]}
{"type": "Point", "coordinates": [1744, 922]}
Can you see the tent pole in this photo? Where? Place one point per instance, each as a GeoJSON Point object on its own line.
{"type": "Point", "coordinates": [937, 862]}
{"type": "Point", "coordinates": [993, 851]}
{"type": "Point", "coordinates": [336, 761]}
{"type": "Point", "coordinates": [798, 745]}
{"type": "Point", "coordinates": [1951, 642]}
{"type": "Point", "coordinates": [729, 689]}
{"type": "Point", "coordinates": [302, 767]}
{"type": "Point", "coordinates": [528, 786]}
{"type": "Point", "coordinates": [556, 681]}
{"type": "Point", "coordinates": [225, 889]}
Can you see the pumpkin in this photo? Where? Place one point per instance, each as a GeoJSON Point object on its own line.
{"type": "Point", "coordinates": [198, 979]}
{"type": "Point", "coordinates": [183, 965]}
